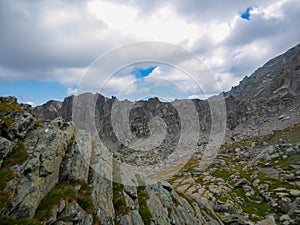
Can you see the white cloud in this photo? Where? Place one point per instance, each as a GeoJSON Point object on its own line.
{"type": "Point", "coordinates": [219, 32]}
{"type": "Point", "coordinates": [274, 11]}
{"type": "Point", "coordinates": [193, 97]}
{"type": "Point", "coordinates": [58, 41]}
{"type": "Point", "coordinates": [164, 24]}
{"type": "Point", "coordinates": [30, 103]}
{"type": "Point", "coordinates": [72, 91]}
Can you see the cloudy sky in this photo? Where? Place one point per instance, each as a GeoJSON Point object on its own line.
{"type": "Point", "coordinates": [48, 47]}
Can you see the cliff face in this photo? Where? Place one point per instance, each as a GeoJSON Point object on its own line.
{"type": "Point", "coordinates": [57, 171]}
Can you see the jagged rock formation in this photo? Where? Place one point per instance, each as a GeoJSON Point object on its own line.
{"type": "Point", "coordinates": [267, 100]}
{"type": "Point", "coordinates": [56, 172]}
{"type": "Point", "coordinates": [46, 178]}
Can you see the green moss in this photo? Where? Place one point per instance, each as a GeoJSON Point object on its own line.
{"type": "Point", "coordinates": [6, 106]}
{"type": "Point", "coordinates": [284, 163]}
{"type": "Point", "coordinates": [142, 198]}
{"type": "Point", "coordinates": [85, 202]}
{"type": "Point", "coordinates": [18, 155]}
{"type": "Point", "coordinates": [84, 198]}
{"type": "Point", "coordinates": [52, 199]}
{"type": "Point", "coordinates": [37, 124]}
{"type": "Point", "coordinates": [222, 173]}
{"type": "Point", "coordinates": [5, 176]}
{"type": "Point", "coordinates": [68, 193]}
{"type": "Point", "coordinates": [10, 221]}
{"type": "Point", "coordinates": [119, 201]}
{"type": "Point", "coordinates": [70, 144]}
{"type": "Point", "coordinates": [252, 205]}
{"type": "Point", "coordinates": [7, 120]}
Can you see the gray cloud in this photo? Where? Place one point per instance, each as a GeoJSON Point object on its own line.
{"type": "Point", "coordinates": [58, 40]}
{"type": "Point", "coordinates": [42, 35]}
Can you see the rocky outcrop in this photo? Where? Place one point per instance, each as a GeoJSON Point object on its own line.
{"type": "Point", "coordinates": [40, 173]}
{"type": "Point", "coordinates": [54, 173]}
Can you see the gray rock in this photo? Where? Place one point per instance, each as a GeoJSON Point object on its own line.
{"type": "Point", "coordinates": [241, 183]}
{"type": "Point", "coordinates": [270, 220]}
{"type": "Point", "coordinates": [6, 147]}
{"type": "Point", "coordinates": [295, 193]}
{"type": "Point", "coordinates": [74, 214]}
{"type": "Point", "coordinates": [136, 218]}
{"type": "Point", "coordinates": [284, 217]}
{"type": "Point", "coordinates": [166, 185]}
{"type": "Point", "coordinates": [78, 159]}
{"type": "Point", "coordinates": [38, 175]}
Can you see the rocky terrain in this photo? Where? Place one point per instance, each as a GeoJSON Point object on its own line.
{"type": "Point", "coordinates": [61, 164]}
{"type": "Point", "coordinates": [250, 180]}
{"type": "Point", "coordinates": [46, 179]}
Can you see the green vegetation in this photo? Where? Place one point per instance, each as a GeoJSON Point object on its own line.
{"type": "Point", "coordinates": [17, 156]}
{"type": "Point", "coordinates": [6, 106]}
{"type": "Point", "coordinates": [252, 205]}
{"type": "Point", "coordinates": [68, 193]}
{"type": "Point", "coordinates": [11, 221]}
{"type": "Point", "coordinates": [290, 135]}
{"type": "Point", "coordinates": [7, 121]}
{"type": "Point", "coordinates": [37, 124]}
{"type": "Point", "coordinates": [222, 173]}
{"type": "Point", "coordinates": [119, 201]}
{"type": "Point", "coordinates": [285, 163]}
{"type": "Point", "coordinates": [70, 144]}
{"type": "Point", "coordinates": [142, 198]}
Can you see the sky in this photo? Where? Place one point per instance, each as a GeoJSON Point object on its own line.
{"type": "Point", "coordinates": [48, 48]}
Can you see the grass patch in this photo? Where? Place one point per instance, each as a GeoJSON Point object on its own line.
{"type": "Point", "coordinates": [119, 201]}
{"type": "Point", "coordinates": [142, 198]}
{"type": "Point", "coordinates": [284, 163]}
{"type": "Point", "coordinates": [18, 155]}
{"type": "Point", "coordinates": [6, 106]}
{"type": "Point", "coordinates": [68, 193]}
{"type": "Point", "coordinates": [252, 205]}
{"type": "Point", "coordinates": [11, 221]}
{"type": "Point", "coordinates": [7, 121]}
{"type": "Point", "coordinates": [222, 173]}
{"type": "Point", "coordinates": [52, 199]}
{"type": "Point", "coordinates": [37, 124]}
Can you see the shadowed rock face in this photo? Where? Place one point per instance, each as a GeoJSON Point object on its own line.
{"type": "Point", "coordinates": [54, 171]}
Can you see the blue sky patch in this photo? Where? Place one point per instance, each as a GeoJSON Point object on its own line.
{"type": "Point", "coordinates": [33, 91]}
{"type": "Point", "coordinates": [246, 15]}
{"type": "Point", "coordinates": [141, 73]}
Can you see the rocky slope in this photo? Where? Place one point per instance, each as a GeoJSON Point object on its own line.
{"type": "Point", "coordinates": [250, 180]}
{"type": "Point", "coordinates": [55, 171]}
{"type": "Point", "coordinates": [46, 179]}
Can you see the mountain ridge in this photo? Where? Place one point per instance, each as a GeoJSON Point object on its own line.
{"type": "Point", "coordinates": [54, 171]}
